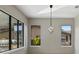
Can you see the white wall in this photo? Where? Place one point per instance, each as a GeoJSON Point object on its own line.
{"type": "Point", "coordinates": [77, 35]}
{"type": "Point", "coordinates": [12, 10]}
{"type": "Point", "coordinates": [51, 42]}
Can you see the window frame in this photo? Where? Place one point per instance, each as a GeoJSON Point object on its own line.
{"type": "Point", "coordinates": [71, 34]}
{"type": "Point", "coordinates": [31, 36]}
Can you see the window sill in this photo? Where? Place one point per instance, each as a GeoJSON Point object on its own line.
{"type": "Point", "coordinates": [10, 51]}
{"type": "Point", "coordinates": [66, 46]}
{"type": "Point", "coordinates": [35, 46]}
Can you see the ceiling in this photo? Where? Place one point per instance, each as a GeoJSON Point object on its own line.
{"type": "Point", "coordinates": [43, 11]}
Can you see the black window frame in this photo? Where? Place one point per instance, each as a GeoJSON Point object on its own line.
{"type": "Point", "coordinates": [10, 39]}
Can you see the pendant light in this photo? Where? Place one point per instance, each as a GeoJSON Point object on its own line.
{"type": "Point", "coordinates": [50, 28]}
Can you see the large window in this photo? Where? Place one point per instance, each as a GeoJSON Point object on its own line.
{"type": "Point", "coordinates": [11, 32]}
{"type": "Point", "coordinates": [4, 32]}
{"type": "Point", "coordinates": [66, 35]}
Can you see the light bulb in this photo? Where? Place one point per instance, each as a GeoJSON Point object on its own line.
{"type": "Point", "coordinates": [50, 28]}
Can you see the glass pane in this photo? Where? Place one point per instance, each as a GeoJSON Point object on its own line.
{"type": "Point", "coordinates": [4, 32]}
{"type": "Point", "coordinates": [66, 35]}
{"type": "Point", "coordinates": [21, 34]}
{"type": "Point", "coordinates": [14, 33]}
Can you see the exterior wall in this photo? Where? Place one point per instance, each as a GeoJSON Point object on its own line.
{"type": "Point", "coordinates": [51, 42]}
{"type": "Point", "coordinates": [12, 10]}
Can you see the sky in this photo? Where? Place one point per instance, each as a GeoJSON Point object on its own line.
{"type": "Point", "coordinates": [66, 28]}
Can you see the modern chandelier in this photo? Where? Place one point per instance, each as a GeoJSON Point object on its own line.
{"type": "Point", "coordinates": [50, 28]}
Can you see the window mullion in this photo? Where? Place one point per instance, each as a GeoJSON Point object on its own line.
{"type": "Point", "coordinates": [9, 32]}
{"type": "Point", "coordinates": [17, 33]}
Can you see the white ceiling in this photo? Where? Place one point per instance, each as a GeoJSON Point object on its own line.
{"type": "Point", "coordinates": [43, 11]}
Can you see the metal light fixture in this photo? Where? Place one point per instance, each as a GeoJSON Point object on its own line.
{"type": "Point", "coordinates": [50, 28]}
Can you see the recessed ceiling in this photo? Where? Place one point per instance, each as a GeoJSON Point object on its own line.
{"type": "Point", "coordinates": [43, 11]}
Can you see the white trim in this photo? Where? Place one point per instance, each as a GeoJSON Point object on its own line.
{"type": "Point", "coordinates": [35, 46]}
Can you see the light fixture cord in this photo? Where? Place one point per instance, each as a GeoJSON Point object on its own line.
{"type": "Point", "coordinates": [51, 15]}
